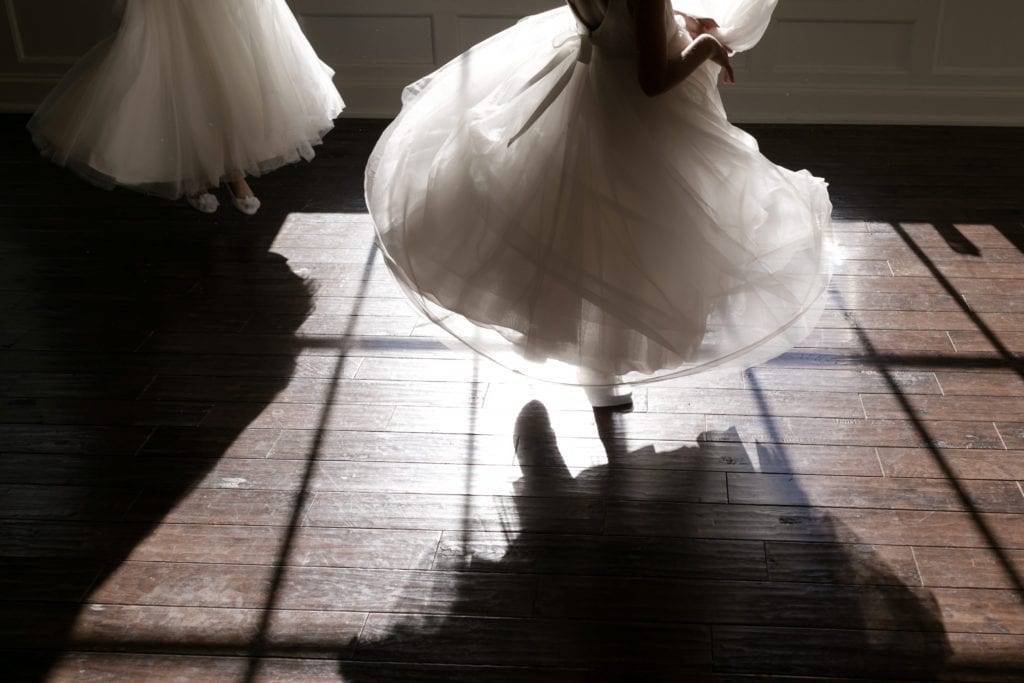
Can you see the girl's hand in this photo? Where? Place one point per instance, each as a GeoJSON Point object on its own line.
{"type": "Point", "coordinates": [697, 26]}
{"type": "Point", "coordinates": [720, 56]}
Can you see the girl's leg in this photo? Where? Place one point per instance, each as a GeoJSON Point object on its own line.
{"type": "Point", "coordinates": [242, 195]}
{"type": "Point", "coordinates": [239, 186]}
{"type": "Point", "coordinates": [602, 390]}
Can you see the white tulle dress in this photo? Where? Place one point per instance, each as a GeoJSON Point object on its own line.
{"type": "Point", "coordinates": [188, 92]}
{"type": "Point", "coordinates": [535, 203]}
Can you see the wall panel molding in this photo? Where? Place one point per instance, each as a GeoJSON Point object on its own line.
{"type": "Point", "coordinates": [828, 61]}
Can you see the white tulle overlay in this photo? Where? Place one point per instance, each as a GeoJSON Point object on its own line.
{"type": "Point", "coordinates": [187, 93]}
{"type": "Point", "coordinates": [532, 201]}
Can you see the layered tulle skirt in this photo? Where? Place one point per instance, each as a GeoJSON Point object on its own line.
{"type": "Point", "coordinates": [531, 200]}
{"type": "Point", "coordinates": [187, 93]}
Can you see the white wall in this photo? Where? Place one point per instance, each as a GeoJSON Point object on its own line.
{"type": "Point", "coordinates": [864, 61]}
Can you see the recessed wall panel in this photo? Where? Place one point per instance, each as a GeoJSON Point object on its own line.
{"type": "Point", "coordinates": [982, 36]}
{"type": "Point", "coordinates": [473, 30]}
{"type": "Point", "coordinates": [58, 31]}
{"type": "Point", "coordinates": [822, 45]}
{"type": "Point", "coordinates": [371, 40]}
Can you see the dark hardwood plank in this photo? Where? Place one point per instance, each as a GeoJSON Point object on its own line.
{"type": "Point", "coordinates": [945, 408]}
{"type": "Point", "coordinates": [846, 525]}
{"type": "Point", "coordinates": [83, 440]}
{"type": "Point", "coordinates": [34, 579]}
{"type": "Point", "coordinates": [851, 381]}
{"type": "Point", "coordinates": [746, 402]}
{"type": "Point", "coordinates": [317, 588]}
{"type": "Point", "coordinates": [963, 463]}
{"type": "Point", "coordinates": [213, 389]}
{"type": "Point", "coordinates": [841, 563]}
{"type": "Point", "coordinates": [476, 480]}
{"type": "Point", "coordinates": [887, 607]}
{"type": "Point", "coordinates": [395, 447]}
{"type": "Point", "coordinates": [95, 666]}
{"type": "Point", "coordinates": [968, 567]}
{"type": "Point", "coordinates": [904, 433]}
{"type": "Point", "coordinates": [309, 546]}
{"type": "Point", "coordinates": [533, 642]}
{"type": "Point", "coordinates": [875, 655]}
{"type": "Point", "coordinates": [152, 629]}
{"type": "Point", "coordinates": [874, 492]}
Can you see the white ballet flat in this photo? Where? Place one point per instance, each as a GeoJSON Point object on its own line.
{"type": "Point", "coordinates": [203, 202]}
{"type": "Point", "coordinates": [247, 205]}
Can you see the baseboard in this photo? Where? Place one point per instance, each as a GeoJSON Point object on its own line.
{"type": "Point", "coordinates": [746, 104]}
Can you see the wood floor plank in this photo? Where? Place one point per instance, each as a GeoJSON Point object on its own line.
{"type": "Point", "coordinates": [98, 471]}
{"type": "Point", "coordinates": [970, 567]}
{"type": "Point", "coordinates": [904, 433]}
{"type": "Point", "coordinates": [1012, 434]}
{"type": "Point", "coordinates": [80, 439]}
{"type": "Point", "coordinates": [213, 389]}
{"type": "Point", "coordinates": [877, 655]}
{"type": "Point", "coordinates": [73, 385]}
{"type": "Point", "coordinates": [578, 422]}
{"type": "Point", "coordinates": [847, 525]}
{"type": "Point", "coordinates": [153, 629]}
{"type": "Point", "coordinates": [898, 295]}
{"type": "Point", "coordinates": [850, 381]}
{"type": "Point", "coordinates": [725, 455]}
{"type": "Point", "coordinates": [316, 588]}
{"type": "Point", "coordinates": [874, 492]}
{"type": "Point", "coordinates": [746, 402]}
{"type": "Point", "coordinates": [298, 416]}
{"type": "Point", "coordinates": [886, 607]}
{"type": "Point", "coordinates": [21, 501]}
{"type": "Point", "coordinates": [95, 666]}
{"type": "Point", "coordinates": [841, 563]}
{"type": "Point", "coordinates": [299, 444]}
{"type": "Point", "coordinates": [944, 408]}
{"type": "Point", "coordinates": [40, 580]}
{"type": "Point", "coordinates": [74, 411]}
{"type": "Point", "coordinates": [1003, 383]}
{"type": "Point", "coordinates": [72, 540]}
{"type": "Point", "coordinates": [964, 463]}
{"type": "Point", "coordinates": [483, 513]}
{"type": "Point", "coordinates": [309, 546]}
{"type": "Point", "coordinates": [473, 480]}
{"type": "Point", "coordinates": [533, 642]}
{"type": "Point", "coordinates": [613, 555]}
{"type": "Point", "coordinates": [754, 603]}
{"type": "Point", "coordinates": [200, 442]}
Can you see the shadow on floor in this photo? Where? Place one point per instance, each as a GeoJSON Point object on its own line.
{"type": "Point", "coordinates": [119, 310]}
{"type": "Point", "coordinates": [659, 589]}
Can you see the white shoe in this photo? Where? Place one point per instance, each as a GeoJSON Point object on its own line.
{"type": "Point", "coordinates": [247, 205]}
{"type": "Point", "coordinates": [204, 202]}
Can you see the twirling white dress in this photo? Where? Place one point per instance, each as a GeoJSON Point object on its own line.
{"type": "Point", "coordinates": [536, 204]}
{"type": "Point", "coordinates": [188, 92]}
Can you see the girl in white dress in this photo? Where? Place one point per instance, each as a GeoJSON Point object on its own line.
{"type": "Point", "coordinates": [190, 94]}
{"type": "Point", "coordinates": [569, 199]}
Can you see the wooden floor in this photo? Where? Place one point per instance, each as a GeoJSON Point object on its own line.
{"type": "Point", "coordinates": [230, 452]}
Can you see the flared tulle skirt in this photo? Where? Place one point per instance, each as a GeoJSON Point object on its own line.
{"type": "Point", "coordinates": [187, 93]}
{"type": "Point", "coordinates": [531, 200]}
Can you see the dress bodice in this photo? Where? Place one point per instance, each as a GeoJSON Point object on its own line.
{"type": "Point", "coordinates": [616, 35]}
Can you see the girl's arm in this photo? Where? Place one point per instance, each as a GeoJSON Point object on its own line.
{"type": "Point", "coordinates": [658, 70]}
